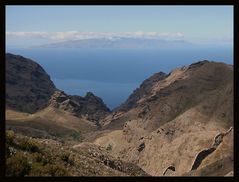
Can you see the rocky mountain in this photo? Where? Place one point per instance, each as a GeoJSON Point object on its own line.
{"type": "Point", "coordinates": [29, 89]}
{"type": "Point", "coordinates": [28, 86]}
{"type": "Point", "coordinates": [168, 96]}
{"type": "Point", "coordinates": [169, 126]}
{"type": "Point", "coordinates": [90, 107]}
{"type": "Point", "coordinates": [139, 93]}
{"type": "Point", "coordinates": [176, 124]}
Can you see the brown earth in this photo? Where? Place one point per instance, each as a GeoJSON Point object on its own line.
{"type": "Point", "coordinates": [174, 124]}
{"type": "Point", "coordinates": [176, 120]}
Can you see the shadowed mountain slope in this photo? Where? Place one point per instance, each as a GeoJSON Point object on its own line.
{"type": "Point", "coordinates": [29, 89]}
{"type": "Point", "coordinates": [28, 86]}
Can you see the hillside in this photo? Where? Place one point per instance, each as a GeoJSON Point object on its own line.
{"type": "Point", "coordinates": [175, 120]}
{"type": "Point", "coordinates": [28, 86]}
{"type": "Point", "coordinates": [35, 107]}
{"type": "Point", "coordinates": [176, 124]}
{"type": "Point", "coordinates": [89, 107]}
{"type": "Point", "coordinates": [45, 157]}
{"type": "Point", "coordinates": [180, 90]}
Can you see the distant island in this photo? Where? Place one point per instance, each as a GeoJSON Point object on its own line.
{"type": "Point", "coordinates": [119, 42]}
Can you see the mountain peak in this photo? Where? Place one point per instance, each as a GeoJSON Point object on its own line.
{"type": "Point", "coordinates": [143, 90]}
{"type": "Point", "coordinates": [29, 89]}
{"type": "Point", "coordinates": [28, 86]}
{"type": "Point", "coordinates": [199, 63]}
{"type": "Point", "coordinates": [89, 94]}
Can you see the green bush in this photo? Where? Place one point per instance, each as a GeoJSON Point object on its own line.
{"type": "Point", "coordinates": [66, 157]}
{"type": "Point", "coordinates": [109, 147]}
{"type": "Point", "coordinates": [25, 165]}
{"type": "Point", "coordinates": [76, 135]}
{"type": "Point", "coordinates": [9, 137]}
{"type": "Point", "coordinates": [17, 165]}
{"type": "Point", "coordinates": [55, 170]}
{"type": "Point", "coordinates": [37, 157]}
{"type": "Point", "coordinates": [48, 159]}
{"type": "Point", "coordinates": [38, 169]}
{"type": "Point", "coordinates": [28, 145]}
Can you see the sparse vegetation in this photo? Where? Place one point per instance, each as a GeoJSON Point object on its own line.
{"type": "Point", "coordinates": [67, 158]}
{"type": "Point", "coordinates": [28, 145]}
{"type": "Point", "coordinates": [18, 165]}
{"type": "Point", "coordinates": [27, 156]}
{"type": "Point", "coordinates": [48, 170]}
{"type": "Point", "coordinates": [9, 137]}
{"type": "Point", "coordinates": [109, 147]}
{"type": "Point", "coordinates": [76, 135]}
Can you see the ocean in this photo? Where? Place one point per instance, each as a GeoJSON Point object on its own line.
{"type": "Point", "coordinates": [113, 74]}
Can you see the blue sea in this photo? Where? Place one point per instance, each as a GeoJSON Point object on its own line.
{"type": "Point", "coordinates": [113, 74]}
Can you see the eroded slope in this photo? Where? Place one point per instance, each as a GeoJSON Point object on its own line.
{"type": "Point", "coordinates": [178, 118]}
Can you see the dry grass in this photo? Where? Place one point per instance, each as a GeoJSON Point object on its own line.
{"type": "Point", "coordinates": [49, 121]}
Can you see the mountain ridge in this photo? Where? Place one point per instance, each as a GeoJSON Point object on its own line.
{"type": "Point", "coordinates": [178, 118]}
{"type": "Point", "coordinates": [174, 124]}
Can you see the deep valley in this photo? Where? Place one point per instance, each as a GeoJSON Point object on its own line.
{"type": "Point", "coordinates": [176, 124]}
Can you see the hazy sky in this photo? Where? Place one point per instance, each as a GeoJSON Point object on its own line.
{"type": "Point", "coordinates": [41, 24]}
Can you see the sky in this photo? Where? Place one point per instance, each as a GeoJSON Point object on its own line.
{"type": "Point", "coordinates": [36, 25]}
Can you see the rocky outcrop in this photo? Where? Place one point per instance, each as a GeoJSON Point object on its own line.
{"type": "Point", "coordinates": [90, 107]}
{"type": "Point", "coordinates": [177, 120]}
{"type": "Point", "coordinates": [162, 97]}
{"type": "Point", "coordinates": [30, 89]}
{"type": "Point", "coordinates": [141, 147]}
{"type": "Point", "coordinates": [221, 167]}
{"type": "Point", "coordinates": [103, 156]}
{"type": "Point", "coordinates": [28, 86]}
{"type": "Point", "coordinates": [169, 168]}
{"type": "Point", "coordinates": [203, 154]}
{"type": "Point", "coordinates": [144, 89]}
